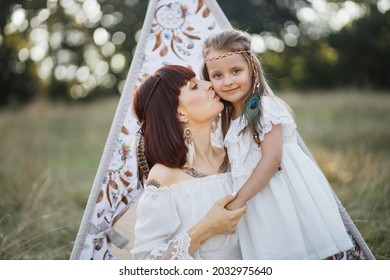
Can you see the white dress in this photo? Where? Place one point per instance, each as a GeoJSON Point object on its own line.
{"type": "Point", "coordinates": [165, 214]}
{"type": "Point", "coordinates": [295, 216]}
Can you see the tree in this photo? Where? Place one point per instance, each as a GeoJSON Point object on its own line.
{"type": "Point", "coordinates": [79, 50]}
{"type": "Point", "coordinates": [364, 49]}
{"type": "Point", "coordinates": [67, 49]}
{"type": "Point", "coordinates": [17, 78]}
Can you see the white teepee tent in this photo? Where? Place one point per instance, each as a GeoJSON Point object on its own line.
{"type": "Point", "coordinates": [173, 33]}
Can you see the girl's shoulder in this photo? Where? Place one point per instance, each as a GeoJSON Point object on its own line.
{"type": "Point", "coordinates": [273, 105]}
{"type": "Point", "coordinates": [270, 101]}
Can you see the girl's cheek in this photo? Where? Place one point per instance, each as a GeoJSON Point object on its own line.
{"type": "Point", "coordinates": [216, 87]}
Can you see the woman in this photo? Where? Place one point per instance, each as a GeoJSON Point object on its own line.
{"type": "Point", "coordinates": [181, 214]}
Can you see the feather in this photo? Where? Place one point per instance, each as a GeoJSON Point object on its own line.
{"type": "Point", "coordinates": [124, 130]}
{"type": "Point", "coordinates": [100, 196]}
{"type": "Point", "coordinates": [141, 159]}
{"type": "Point", "coordinates": [206, 13]}
{"type": "Point", "coordinates": [158, 41]}
{"type": "Point", "coordinates": [252, 108]}
{"type": "Point", "coordinates": [164, 51]}
{"type": "Point", "coordinates": [191, 36]}
{"type": "Point", "coordinates": [200, 5]}
{"type": "Point", "coordinates": [124, 181]}
{"type": "Point", "coordinates": [177, 39]}
{"type": "Point", "coordinates": [252, 111]}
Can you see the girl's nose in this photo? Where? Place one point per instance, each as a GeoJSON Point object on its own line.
{"type": "Point", "coordinates": [228, 80]}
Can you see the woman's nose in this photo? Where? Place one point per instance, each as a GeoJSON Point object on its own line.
{"type": "Point", "coordinates": [208, 85]}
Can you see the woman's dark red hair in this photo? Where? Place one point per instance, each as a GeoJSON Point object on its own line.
{"type": "Point", "coordinates": [155, 104]}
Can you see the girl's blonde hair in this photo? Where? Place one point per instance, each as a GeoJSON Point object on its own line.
{"type": "Point", "coordinates": [235, 41]}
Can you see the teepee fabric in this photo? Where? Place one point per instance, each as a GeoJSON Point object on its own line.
{"type": "Point", "coordinates": [173, 33]}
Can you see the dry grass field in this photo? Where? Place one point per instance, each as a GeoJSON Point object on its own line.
{"type": "Point", "coordinates": [50, 154]}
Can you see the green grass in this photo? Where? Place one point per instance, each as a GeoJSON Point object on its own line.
{"type": "Point", "coordinates": [349, 136]}
{"type": "Point", "coordinates": [50, 154]}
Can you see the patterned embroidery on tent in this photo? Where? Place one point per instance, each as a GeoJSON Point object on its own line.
{"type": "Point", "coordinates": [173, 30]}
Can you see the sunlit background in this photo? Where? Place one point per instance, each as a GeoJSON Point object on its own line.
{"type": "Point", "coordinates": [78, 49]}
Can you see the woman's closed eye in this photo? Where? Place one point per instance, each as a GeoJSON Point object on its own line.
{"type": "Point", "coordinates": [195, 86]}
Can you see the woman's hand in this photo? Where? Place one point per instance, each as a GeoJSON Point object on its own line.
{"type": "Point", "coordinates": [221, 220]}
{"type": "Point", "coordinates": [236, 203]}
{"type": "Point", "coordinates": [218, 220]}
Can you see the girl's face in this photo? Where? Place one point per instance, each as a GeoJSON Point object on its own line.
{"type": "Point", "coordinates": [198, 102]}
{"type": "Point", "coordinates": [231, 77]}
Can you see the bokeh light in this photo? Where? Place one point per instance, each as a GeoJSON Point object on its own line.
{"type": "Point", "coordinates": [53, 37]}
{"type": "Point", "coordinates": [118, 63]}
{"type": "Point", "coordinates": [101, 36]}
{"type": "Point", "coordinates": [258, 44]}
{"type": "Point", "coordinates": [383, 6]}
{"type": "Point", "coordinates": [23, 54]}
{"type": "Point", "coordinates": [118, 38]}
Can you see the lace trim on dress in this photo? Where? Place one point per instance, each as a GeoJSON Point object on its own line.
{"type": "Point", "coordinates": [174, 249]}
{"type": "Point", "coordinates": [274, 120]}
{"type": "Point", "coordinates": [275, 113]}
{"type": "Point", "coordinates": [224, 167]}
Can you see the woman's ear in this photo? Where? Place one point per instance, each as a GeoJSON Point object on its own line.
{"type": "Point", "coordinates": [182, 116]}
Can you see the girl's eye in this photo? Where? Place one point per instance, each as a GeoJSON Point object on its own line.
{"type": "Point", "coordinates": [217, 76]}
{"type": "Point", "coordinates": [236, 71]}
{"type": "Point", "coordinates": [196, 86]}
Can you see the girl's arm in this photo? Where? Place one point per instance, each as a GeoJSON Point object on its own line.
{"type": "Point", "coordinates": [271, 150]}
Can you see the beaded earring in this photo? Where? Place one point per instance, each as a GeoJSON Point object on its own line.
{"type": "Point", "coordinates": [188, 137]}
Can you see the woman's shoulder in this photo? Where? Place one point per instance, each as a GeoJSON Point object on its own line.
{"type": "Point", "coordinates": [162, 175]}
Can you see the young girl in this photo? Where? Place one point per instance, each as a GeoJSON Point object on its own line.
{"type": "Point", "coordinates": [292, 213]}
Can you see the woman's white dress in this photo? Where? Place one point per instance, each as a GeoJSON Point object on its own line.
{"type": "Point", "coordinates": [295, 216]}
{"type": "Point", "coordinates": [165, 214]}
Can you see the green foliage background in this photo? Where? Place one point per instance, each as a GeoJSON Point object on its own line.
{"type": "Point", "coordinates": [321, 58]}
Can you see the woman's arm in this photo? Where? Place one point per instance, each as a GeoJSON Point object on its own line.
{"type": "Point", "coordinates": [182, 246]}
{"type": "Point", "coordinates": [271, 155]}
{"type": "Point", "coordinates": [217, 221]}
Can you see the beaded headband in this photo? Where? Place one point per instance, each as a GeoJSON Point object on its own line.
{"type": "Point", "coordinates": [225, 55]}
{"type": "Point", "coordinates": [250, 58]}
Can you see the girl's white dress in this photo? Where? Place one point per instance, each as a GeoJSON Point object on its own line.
{"type": "Point", "coordinates": [165, 214]}
{"type": "Point", "coordinates": [295, 216]}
